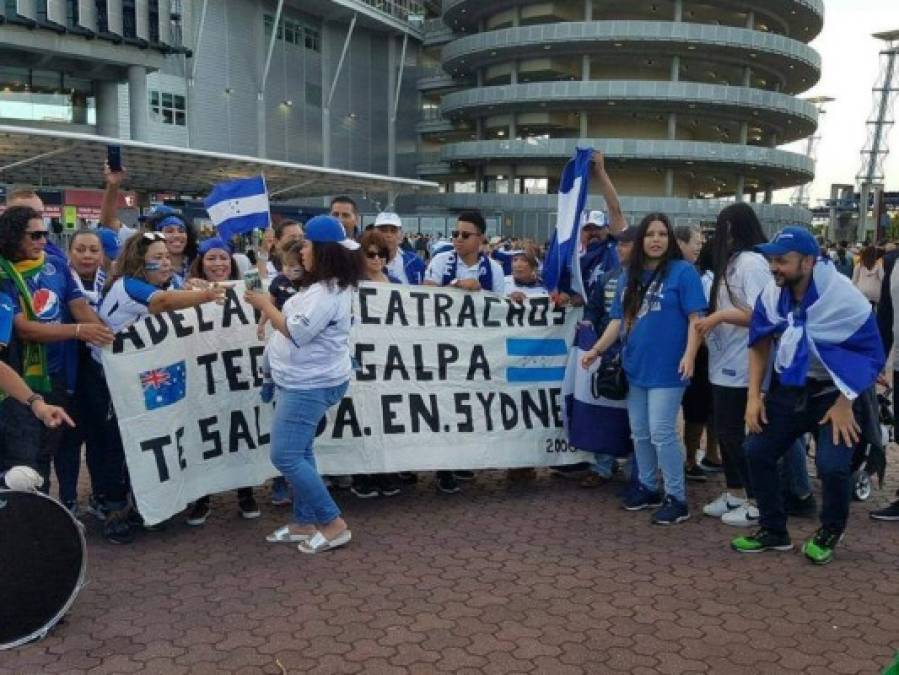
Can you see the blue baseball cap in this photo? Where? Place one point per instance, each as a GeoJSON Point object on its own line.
{"type": "Point", "coordinates": [328, 230]}
{"type": "Point", "coordinates": [792, 239]}
{"type": "Point", "coordinates": [109, 240]}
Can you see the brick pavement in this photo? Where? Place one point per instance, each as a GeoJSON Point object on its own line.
{"type": "Point", "coordinates": [539, 578]}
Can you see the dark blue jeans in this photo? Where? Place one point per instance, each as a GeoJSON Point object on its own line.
{"type": "Point", "coordinates": [792, 412]}
{"type": "Point", "coordinates": [109, 473]}
{"type": "Point", "coordinates": [87, 431]}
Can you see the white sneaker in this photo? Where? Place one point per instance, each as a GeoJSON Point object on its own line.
{"type": "Point", "coordinates": [725, 502]}
{"type": "Point", "coordinates": [746, 515]}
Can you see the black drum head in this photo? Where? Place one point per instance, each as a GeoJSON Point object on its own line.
{"type": "Point", "coordinates": [42, 561]}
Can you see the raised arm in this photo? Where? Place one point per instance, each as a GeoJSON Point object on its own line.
{"type": "Point", "coordinates": [617, 221]}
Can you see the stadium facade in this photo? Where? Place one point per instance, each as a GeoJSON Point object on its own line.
{"type": "Point", "coordinates": [690, 100]}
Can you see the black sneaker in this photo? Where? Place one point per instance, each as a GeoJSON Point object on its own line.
{"type": "Point", "coordinates": [364, 487]}
{"type": "Point", "coordinates": [710, 466]}
{"type": "Point", "coordinates": [249, 507]}
{"type": "Point", "coordinates": [891, 512]}
{"type": "Point", "coordinates": [762, 540]}
{"type": "Point", "coordinates": [672, 512]}
{"type": "Point", "coordinates": [695, 473]}
{"type": "Point", "coordinates": [388, 485]}
{"type": "Point", "coordinates": [446, 483]}
{"type": "Point", "coordinates": [199, 512]}
{"type": "Point", "coordinates": [463, 475]}
{"type": "Point", "coordinates": [117, 530]}
{"type": "Point", "coordinates": [801, 507]}
{"type": "Point", "coordinates": [97, 508]}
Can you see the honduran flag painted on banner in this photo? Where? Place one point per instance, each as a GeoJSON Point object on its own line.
{"type": "Point", "coordinates": [593, 424]}
{"type": "Point", "coordinates": [238, 206]}
{"type": "Point", "coordinates": [562, 254]}
{"type": "Point", "coordinates": [834, 323]}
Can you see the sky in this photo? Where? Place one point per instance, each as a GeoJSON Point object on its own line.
{"type": "Point", "coordinates": [850, 65]}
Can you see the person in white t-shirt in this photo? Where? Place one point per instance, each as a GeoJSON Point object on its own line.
{"type": "Point", "coordinates": [309, 358]}
{"type": "Point", "coordinates": [740, 274]}
{"type": "Point", "coordinates": [524, 282]}
{"type": "Point", "coordinates": [467, 267]}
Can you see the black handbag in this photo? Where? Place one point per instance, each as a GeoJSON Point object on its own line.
{"type": "Point", "coordinates": [609, 381]}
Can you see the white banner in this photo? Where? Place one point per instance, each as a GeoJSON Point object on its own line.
{"type": "Point", "coordinates": [445, 380]}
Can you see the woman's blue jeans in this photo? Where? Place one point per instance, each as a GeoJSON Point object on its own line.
{"type": "Point", "coordinates": [297, 414]}
{"type": "Point", "coordinates": [653, 417]}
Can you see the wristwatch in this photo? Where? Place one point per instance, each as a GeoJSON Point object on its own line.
{"type": "Point", "coordinates": [33, 398]}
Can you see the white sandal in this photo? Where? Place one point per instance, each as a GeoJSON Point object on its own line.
{"type": "Point", "coordinates": [283, 535]}
{"type": "Point", "coordinates": [319, 543]}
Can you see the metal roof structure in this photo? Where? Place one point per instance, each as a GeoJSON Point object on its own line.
{"type": "Point", "coordinates": [49, 158]}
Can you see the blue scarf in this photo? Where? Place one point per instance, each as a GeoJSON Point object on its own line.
{"type": "Point", "coordinates": [485, 271]}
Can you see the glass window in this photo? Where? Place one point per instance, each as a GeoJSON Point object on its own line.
{"type": "Point", "coordinates": [168, 108]}
{"type": "Point", "coordinates": [154, 98]}
{"type": "Point", "coordinates": [167, 100]}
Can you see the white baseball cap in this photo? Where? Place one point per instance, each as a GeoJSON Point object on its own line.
{"type": "Point", "coordinates": [388, 218]}
{"type": "Point", "coordinates": [597, 218]}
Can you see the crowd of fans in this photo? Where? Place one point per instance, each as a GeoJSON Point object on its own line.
{"type": "Point", "coordinates": [728, 355]}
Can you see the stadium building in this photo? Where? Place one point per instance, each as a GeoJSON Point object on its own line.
{"type": "Point", "coordinates": [690, 100]}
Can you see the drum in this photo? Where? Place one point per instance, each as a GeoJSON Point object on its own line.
{"type": "Point", "coordinates": [43, 559]}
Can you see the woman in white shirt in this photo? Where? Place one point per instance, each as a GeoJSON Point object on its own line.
{"type": "Point", "coordinates": [868, 275]}
{"type": "Point", "coordinates": [740, 275]}
{"type": "Point", "coordinates": [309, 358]}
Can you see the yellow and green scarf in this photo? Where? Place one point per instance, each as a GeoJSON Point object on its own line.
{"type": "Point", "coordinates": [34, 354]}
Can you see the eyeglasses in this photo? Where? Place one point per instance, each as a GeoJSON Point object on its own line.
{"type": "Point", "coordinates": [371, 255]}
{"type": "Point", "coordinates": [458, 234]}
{"type": "Point", "coordinates": [154, 236]}
{"type": "Point", "coordinates": [37, 235]}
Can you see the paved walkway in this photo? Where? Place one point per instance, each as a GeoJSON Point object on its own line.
{"type": "Point", "coordinates": [540, 578]}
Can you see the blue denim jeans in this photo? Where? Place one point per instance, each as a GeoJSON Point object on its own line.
{"type": "Point", "coordinates": [297, 414]}
{"type": "Point", "coordinates": [793, 412]}
{"type": "Point", "coordinates": [604, 465]}
{"type": "Point", "coordinates": [653, 416]}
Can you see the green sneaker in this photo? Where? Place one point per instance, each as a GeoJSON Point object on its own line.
{"type": "Point", "coordinates": [762, 540]}
{"type": "Point", "coordinates": [819, 549]}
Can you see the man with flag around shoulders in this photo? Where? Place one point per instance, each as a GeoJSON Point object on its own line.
{"type": "Point", "coordinates": [827, 353]}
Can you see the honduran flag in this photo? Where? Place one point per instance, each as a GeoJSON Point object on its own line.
{"type": "Point", "coordinates": [834, 323]}
{"type": "Point", "coordinates": [238, 206]}
{"type": "Point", "coordinates": [593, 424]}
{"type": "Point", "coordinates": [562, 254]}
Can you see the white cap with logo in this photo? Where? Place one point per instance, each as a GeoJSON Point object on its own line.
{"type": "Point", "coordinates": [388, 218]}
{"type": "Point", "coordinates": [597, 218]}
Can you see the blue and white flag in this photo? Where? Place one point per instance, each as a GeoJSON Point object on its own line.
{"type": "Point", "coordinates": [562, 255]}
{"type": "Point", "coordinates": [834, 323]}
{"type": "Point", "coordinates": [238, 206]}
{"type": "Point", "coordinates": [593, 423]}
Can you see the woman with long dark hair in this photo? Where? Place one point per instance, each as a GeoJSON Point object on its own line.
{"type": "Point", "coordinates": [309, 358]}
{"type": "Point", "coordinates": [868, 275]}
{"type": "Point", "coordinates": [656, 305]}
{"type": "Point", "coordinates": [740, 274]}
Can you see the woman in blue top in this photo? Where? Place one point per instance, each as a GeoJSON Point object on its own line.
{"type": "Point", "coordinates": [657, 302]}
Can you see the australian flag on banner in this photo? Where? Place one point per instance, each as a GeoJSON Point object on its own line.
{"type": "Point", "coordinates": [164, 386]}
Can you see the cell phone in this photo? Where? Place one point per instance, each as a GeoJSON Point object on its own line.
{"type": "Point", "coordinates": [114, 157]}
{"type": "Point", "coordinates": [252, 280]}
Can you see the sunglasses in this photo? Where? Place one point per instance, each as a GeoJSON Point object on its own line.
{"type": "Point", "coordinates": [154, 236]}
{"type": "Point", "coordinates": [371, 255]}
{"type": "Point", "coordinates": [37, 235]}
{"type": "Point", "coordinates": [458, 234]}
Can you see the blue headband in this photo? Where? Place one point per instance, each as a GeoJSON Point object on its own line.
{"type": "Point", "coordinates": [168, 221]}
{"type": "Point", "coordinates": [214, 243]}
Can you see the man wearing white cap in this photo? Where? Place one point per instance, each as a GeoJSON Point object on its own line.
{"type": "Point", "coordinates": [403, 266]}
